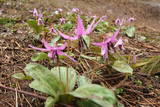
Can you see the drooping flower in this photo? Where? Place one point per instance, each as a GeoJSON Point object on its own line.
{"type": "Point", "coordinates": [104, 48]}
{"type": "Point", "coordinates": [119, 44]}
{"type": "Point", "coordinates": [119, 22]}
{"type": "Point", "coordinates": [108, 42]}
{"type": "Point", "coordinates": [53, 51]}
{"type": "Point", "coordinates": [80, 30]}
{"type": "Point", "coordinates": [35, 12]}
{"type": "Point", "coordinates": [53, 31]}
{"type": "Point", "coordinates": [62, 20]}
{"type": "Point", "coordinates": [40, 21]}
{"type": "Point", "coordinates": [131, 19]}
{"type": "Point", "coordinates": [74, 10]}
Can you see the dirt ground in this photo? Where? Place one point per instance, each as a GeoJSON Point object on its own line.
{"type": "Point", "coordinates": [14, 40]}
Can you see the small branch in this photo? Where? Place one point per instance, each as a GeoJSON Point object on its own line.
{"type": "Point", "coordinates": [23, 92]}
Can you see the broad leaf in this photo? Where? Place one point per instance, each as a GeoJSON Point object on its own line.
{"type": "Point", "coordinates": [54, 40]}
{"type": "Point", "coordinates": [87, 103]}
{"type": "Point", "coordinates": [130, 31]}
{"type": "Point", "coordinates": [122, 66]}
{"type": "Point", "coordinates": [44, 79]}
{"type": "Point", "coordinates": [82, 80]}
{"type": "Point", "coordinates": [67, 26]}
{"type": "Point", "coordinates": [21, 76]}
{"type": "Point", "coordinates": [50, 102]}
{"type": "Point", "coordinates": [87, 40]}
{"type": "Point", "coordinates": [37, 85]}
{"type": "Point", "coordinates": [66, 75]}
{"type": "Point", "coordinates": [96, 93]}
{"type": "Point", "coordinates": [102, 27]}
{"type": "Point", "coordinates": [39, 56]}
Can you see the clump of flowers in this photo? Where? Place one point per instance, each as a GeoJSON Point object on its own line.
{"type": "Point", "coordinates": [64, 81]}
{"type": "Point", "coordinates": [122, 21]}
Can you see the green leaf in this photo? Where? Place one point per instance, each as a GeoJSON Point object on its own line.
{"type": "Point", "coordinates": [122, 66]}
{"type": "Point", "coordinates": [87, 103]}
{"type": "Point", "coordinates": [66, 75]}
{"type": "Point", "coordinates": [66, 98]}
{"type": "Point", "coordinates": [33, 24]}
{"type": "Point", "coordinates": [67, 26]}
{"type": "Point", "coordinates": [102, 27]}
{"type": "Point", "coordinates": [82, 80]}
{"type": "Point", "coordinates": [44, 80]}
{"type": "Point", "coordinates": [39, 56]}
{"type": "Point", "coordinates": [130, 31]}
{"type": "Point", "coordinates": [50, 102]}
{"type": "Point", "coordinates": [87, 40]}
{"type": "Point", "coordinates": [96, 93]}
{"type": "Point", "coordinates": [21, 76]}
{"type": "Point", "coordinates": [39, 87]}
{"type": "Point", "coordinates": [54, 40]}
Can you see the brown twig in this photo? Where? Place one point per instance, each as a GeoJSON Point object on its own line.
{"type": "Point", "coordinates": [23, 92]}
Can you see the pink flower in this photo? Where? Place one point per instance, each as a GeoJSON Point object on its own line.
{"type": "Point", "coordinates": [74, 10]}
{"type": "Point", "coordinates": [120, 22]}
{"type": "Point", "coordinates": [40, 21]}
{"type": "Point", "coordinates": [53, 31]}
{"type": "Point", "coordinates": [62, 20]}
{"type": "Point", "coordinates": [35, 12]}
{"type": "Point", "coordinates": [53, 51]}
{"type": "Point", "coordinates": [119, 44]}
{"type": "Point", "coordinates": [80, 30]}
{"type": "Point", "coordinates": [108, 43]}
{"type": "Point", "coordinates": [131, 19]}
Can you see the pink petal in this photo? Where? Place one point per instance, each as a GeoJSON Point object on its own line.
{"type": "Point", "coordinates": [75, 10]}
{"type": "Point", "coordinates": [104, 49]}
{"type": "Point", "coordinates": [46, 44]}
{"type": "Point", "coordinates": [80, 27]}
{"type": "Point", "coordinates": [104, 52]}
{"type": "Point", "coordinates": [117, 21]}
{"type": "Point", "coordinates": [52, 30]}
{"type": "Point", "coordinates": [62, 20]}
{"type": "Point", "coordinates": [64, 54]}
{"type": "Point", "coordinates": [51, 54]}
{"type": "Point", "coordinates": [101, 19]}
{"type": "Point", "coordinates": [35, 12]}
{"type": "Point", "coordinates": [131, 19]}
{"type": "Point", "coordinates": [67, 37]}
{"type": "Point", "coordinates": [40, 21]}
{"type": "Point", "coordinates": [119, 43]}
{"type": "Point", "coordinates": [40, 49]}
{"type": "Point", "coordinates": [90, 27]}
{"type": "Point", "coordinates": [113, 38]}
{"type": "Point", "coordinates": [98, 44]}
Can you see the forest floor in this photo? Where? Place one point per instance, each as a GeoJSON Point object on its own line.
{"type": "Point", "coordinates": [143, 90]}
